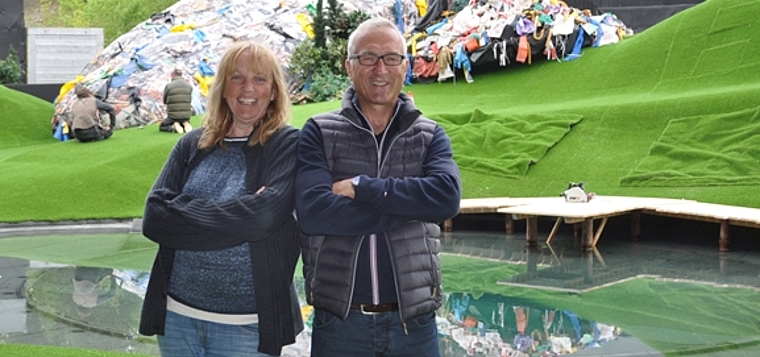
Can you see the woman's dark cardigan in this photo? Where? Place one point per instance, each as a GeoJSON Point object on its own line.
{"type": "Point", "coordinates": [264, 220]}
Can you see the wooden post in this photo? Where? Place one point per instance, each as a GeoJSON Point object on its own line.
{"type": "Point", "coordinates": [532, 263]}
{"type": "Point", "coordinates": [723, 263]}
{"type": "Point", "coordinates": [725, 240]}
{"type": "Point", "coordinates": [599, 231]}
{"type": "Point", "coordinates": [588, 234]}
{"type": "Point", "coordinates": [555, 228]}
{"type": "Point", "coordinates": [531, 231]}
{"type": "Point", "coordinates": [588, 275]}
{"type": "Point", "coordinates": [635, 225]}
{"type": "Point", "coordinates": [509, 224]}
{"type": "Point", "coordinates": [448, 225]}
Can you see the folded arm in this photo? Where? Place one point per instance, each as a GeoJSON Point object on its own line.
{"type": "Point", "coordinates": [433, 197]}
{"type": "Point", "coordinates": [181, 221]}
{"type": "Point", "coordinates": [379, 203]}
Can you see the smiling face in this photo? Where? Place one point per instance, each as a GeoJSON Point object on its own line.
{"type": "Point", "coordinates": [377, 86]}
{"type": "Point", "coordinates": [248, 91]}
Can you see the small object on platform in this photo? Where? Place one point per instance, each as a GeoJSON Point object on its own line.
{"type": "Point", "coordinates": [576, 193]}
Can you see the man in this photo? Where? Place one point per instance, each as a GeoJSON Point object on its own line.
{"type": "Point", "coordinates": [85, 116]}
{"type": "Point", "coordinates": [178, 99]}
{"type": "Point", "coordinates": [373, 179]}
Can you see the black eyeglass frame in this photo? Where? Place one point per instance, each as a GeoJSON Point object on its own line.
{"type": "Point", "coordinates": [378, 58]}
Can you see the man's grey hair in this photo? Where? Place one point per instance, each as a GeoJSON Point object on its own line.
{"type": "Point", "coordinates": [373, 24]}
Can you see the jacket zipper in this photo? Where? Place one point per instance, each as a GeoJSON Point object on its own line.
{"type": "Point", "coordinates": [353, 281]}
{"type": "Point", "coordinates": [373, 237]}
{"type": "Point", "coordinates": [398, 293]}
{"type": "Point", "coordinates": [374, 276]}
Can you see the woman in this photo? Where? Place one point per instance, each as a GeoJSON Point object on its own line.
{"type": "Point", "coordinates": [221, 211]}
{"type": "Point", "coordinates": [85, 113]}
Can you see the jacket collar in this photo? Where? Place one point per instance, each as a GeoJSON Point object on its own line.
{"type": "Point", "coordinates": [406, 111]}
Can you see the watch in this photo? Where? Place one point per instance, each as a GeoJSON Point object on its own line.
{"type": "Point", "coordinates": [355, 181]}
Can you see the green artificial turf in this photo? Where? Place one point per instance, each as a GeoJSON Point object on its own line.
{"type": "Point", "coordinates": [49, 351]}
{"type": "Point", "coordinates": [118, 251]}
{"type": "Point", "coordinates": [504, 146]}
{"type": "Point", "coordinates": [670, 112]}
{"type": "Point", "coordinates": [709, 150]}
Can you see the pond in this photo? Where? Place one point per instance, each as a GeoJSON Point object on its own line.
{"type": "Point", "coordinates": [648, 298]}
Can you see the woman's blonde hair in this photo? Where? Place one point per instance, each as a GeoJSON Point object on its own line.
{"type": "Point", "coordinates": [218, 118]}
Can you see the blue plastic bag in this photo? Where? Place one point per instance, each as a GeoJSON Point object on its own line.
{"type": "Point", "coordinates": [59, 134]}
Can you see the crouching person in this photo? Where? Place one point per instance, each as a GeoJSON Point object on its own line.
{"type": "Point", "coordinates": [178, 97]}
{"type": "Point", "coordinates": [85, 112]}
{"type": "Point", "coordinates": [167, 126]}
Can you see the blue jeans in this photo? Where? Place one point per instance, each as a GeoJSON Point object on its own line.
{"type": "Point", "coordinates": [383, 334]}
{"type": "Point", "coordinates": [189, 337]}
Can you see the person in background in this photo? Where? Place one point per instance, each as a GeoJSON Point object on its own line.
{"type": "Point", "coordinates": [221, 211]}
{"type": "Point", "coordinates": [85, 114]}
{"type": "Point", "coordinates": [92, 287]}
{"type": "Point", "coordinates": [178, 99]}
{"type": "Point", "coordinates": [374, 180]}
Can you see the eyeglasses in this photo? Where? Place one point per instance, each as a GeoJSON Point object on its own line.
{"type": "Point", "coordinates": [389, 59]}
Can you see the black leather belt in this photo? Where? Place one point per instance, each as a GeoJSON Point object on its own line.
{"type": "Point", "coordinates": [375, 309]}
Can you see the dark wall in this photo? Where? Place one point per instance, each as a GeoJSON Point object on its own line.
{"type": "Point", "coordinates": [13, 30]}
{"type": "Point", "coordinates": [46, 92]}
{"type": "Point", "coordinates": [637, 15]}
{"type": "Point", "coordinates": [594, 4]}
{"type": "Point", "coordinates": [640, 18]}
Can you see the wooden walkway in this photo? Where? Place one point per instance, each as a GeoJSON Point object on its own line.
{"type": "Point", "coordinates": [584, 215]}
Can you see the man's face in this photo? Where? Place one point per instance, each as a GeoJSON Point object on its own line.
{"type": "Point", "coordinates": [379, 84]}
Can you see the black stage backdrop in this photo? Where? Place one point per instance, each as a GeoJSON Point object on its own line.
{"type": "Point", "coordinates": [13, 30]}
{"type": "Point", "coordinates": [637, 15]}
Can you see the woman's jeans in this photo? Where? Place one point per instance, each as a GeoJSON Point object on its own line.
{"type": "Point", "coordinates": [379, 334]}
{"type": "Point", "coordinates": [189, 337]}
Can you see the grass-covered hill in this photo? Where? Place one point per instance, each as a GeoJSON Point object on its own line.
{"type": "Point", "coordinates": [671, 112]}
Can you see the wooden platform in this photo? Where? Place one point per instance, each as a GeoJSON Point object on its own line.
{"type": "Point", "coordinates": [480, 206]}
{"type": "Point", "coordinates": [492, 205]}
{"type": "Point", "coordinates": [724, 215]}
{"type": "Point", "coordinates": [484, 205]}
{"type": "Point", "coordinates": [600, 208]}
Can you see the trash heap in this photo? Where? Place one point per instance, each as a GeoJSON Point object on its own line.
{"type": "Point", "coordinates": [191, 35]}
{"type": "Point", "coordinates": [486, 34]}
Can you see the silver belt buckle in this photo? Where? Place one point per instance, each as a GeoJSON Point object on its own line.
{"type": "Point", "coordinates": [368, 312]}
